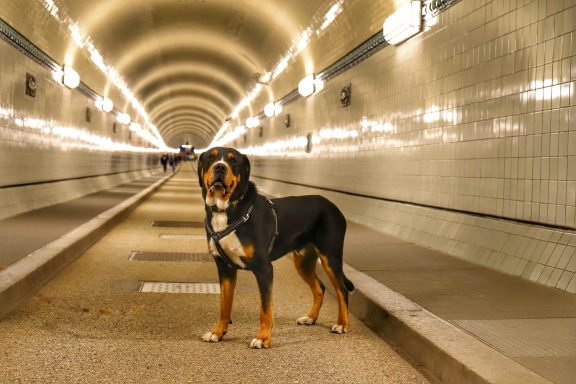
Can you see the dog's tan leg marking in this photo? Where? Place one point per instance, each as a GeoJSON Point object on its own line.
{"type": "Point", "coordinates": [305, 263]}
{"type": "Point", "coordinates": [226, 298]}
{"type": "Point", "coordinates": [342, 323]}
{"type": "Point", "coordinates": [264, 337]}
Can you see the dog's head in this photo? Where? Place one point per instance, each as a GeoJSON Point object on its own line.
{"type": "Point", "coordinates": [223, 175]}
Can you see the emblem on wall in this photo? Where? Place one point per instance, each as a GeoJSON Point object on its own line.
{"type": "Point", "coordinates": [287, 120]}
{"type": "Point", "coordinates": [88, 114]}
{"type": "Point", "coordinates": [346, 95]}
{"type": "Point", "coordinates": [31, 85]}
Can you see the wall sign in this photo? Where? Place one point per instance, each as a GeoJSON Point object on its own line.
{"type": "Point", "coordinates": [31, 85]}
{"type": "Point", "coordinates": [346, 95]}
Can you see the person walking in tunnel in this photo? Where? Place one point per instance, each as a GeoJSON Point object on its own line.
{"type": "Point", "coordinates": [164, 161]}
{"type": "Point", "coordinates": [173, 161]}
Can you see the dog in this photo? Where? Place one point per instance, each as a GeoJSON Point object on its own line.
{"type": "Point", "coordinates": [247, 231]}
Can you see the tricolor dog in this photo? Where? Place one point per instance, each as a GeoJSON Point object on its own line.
{"type": "Point", "coordinates": [247, 231]}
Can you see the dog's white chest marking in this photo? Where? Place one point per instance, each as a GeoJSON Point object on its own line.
{"type": "Point", "coordinates": [230, 244]}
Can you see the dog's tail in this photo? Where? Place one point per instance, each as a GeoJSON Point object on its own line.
{"type": "Point", "coordinates": [348, 284]}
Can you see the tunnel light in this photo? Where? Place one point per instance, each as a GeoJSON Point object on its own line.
{"type": "Point", "coordinates": [318, 84]}
{"type": "Point", "coordinates": [70, 78]}
{"type": "Point", "coordinates": [252, 122]}
{"type": "Point", "coordinates": [104, 104]}
{"type": "Point", "coordinates": [306, 86]}
{"type": "Point", "coordinates": [277, 109]}
{"type": "Point", "coordinates": [269, 110]}
{"type": "Point", "coordinates": [123, 118]}
{"type": "Point", "coordinates": [404, 23]}
{"type": "Point", "coordinates": [135, 127]}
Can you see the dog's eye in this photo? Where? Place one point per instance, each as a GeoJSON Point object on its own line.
{"type": "Point", "coordinates": [211, 157]}
{"type": "Point", "coordinates": [233, 160]}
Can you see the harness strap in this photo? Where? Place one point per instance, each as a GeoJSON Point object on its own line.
{"type": "Point", "coordinates": [275, 225]}
{"type": "Point", "coordinates": [217, 236]}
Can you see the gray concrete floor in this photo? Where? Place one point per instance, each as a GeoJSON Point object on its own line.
{"type": "Point", "coordinates": [530, 323]}
{"type": "Point", "coordinates": [22, 234]}
{"type": "Point", "coordinates": [90, 324]}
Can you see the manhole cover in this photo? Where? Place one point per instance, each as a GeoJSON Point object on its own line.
{"type": "Point", "coordinates": [177, 224]}
{"type": "Point", "coordinates": [170, 256]}
{"type": "Point", "coordinates": [182, 236]}
{"type": "Point", "coordinates": [167, 287]}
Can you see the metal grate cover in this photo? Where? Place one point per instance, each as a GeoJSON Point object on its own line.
{"type": "Point", "coordinates": [182, 236]}
{"type": "Point", "coordinates": [526, 337]}
{"type": "Point", "coordinates": [177, 224]}
{"type": "Point", "coordinates": [170, 256]}
{"type": "Point", "coordinates": [167, 287]}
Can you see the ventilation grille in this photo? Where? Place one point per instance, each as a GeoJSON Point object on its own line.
{"type": "Point", "coordinates": [181, 257]}
{"type": "Point", "coordinates": [177, 224]}
{"type": "Point", "coordinates": [168, 287]}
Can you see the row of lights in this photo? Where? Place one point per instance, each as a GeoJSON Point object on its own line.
{"type": "Point", "coordinates": [306, 87]}
{"type": "Point", "coordinates": [397, 28]}
{"type": "Point", "coordinates": [71, 79]}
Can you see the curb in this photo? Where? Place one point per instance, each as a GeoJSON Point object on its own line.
{"type": "Point", "coordinates": [444, 351]}
{"type": "Point", "coordinates": [21, 280]}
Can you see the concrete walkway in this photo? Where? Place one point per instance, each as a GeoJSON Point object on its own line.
{"type": "Point", "coordinates": [529, 323]}
{"type": "Point", "coordinates": [91, 323]}
{"type": "Point", "coordinates": [23, 234]}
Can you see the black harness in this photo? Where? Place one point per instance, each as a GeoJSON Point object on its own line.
{"type": "Point", "coordinates": [217, 236]}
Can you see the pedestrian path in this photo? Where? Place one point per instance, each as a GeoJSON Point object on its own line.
{"type": "Point", "coordinates": [530, 323]}
{"type": "Point", "coordinates": [92, 324]}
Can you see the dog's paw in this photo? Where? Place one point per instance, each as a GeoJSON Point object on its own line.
{"type": "Point", "coordinates": [305, 320]}
{"type": "Point", "coordinates": [339, 329]}
{"type": "Point", "coordinates": [211, 337]}
{"type": "Point", "coordinates": [259, 344]}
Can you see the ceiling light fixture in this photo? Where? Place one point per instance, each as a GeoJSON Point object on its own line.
{"type": "Point", "coordinates": [404, 23]}
{"type": "Point", "coordinates": [104, 104]}
{"type": "Point", "coordinates": [70, 78]}
{"type": "Point", "coordinates": [306, 86]}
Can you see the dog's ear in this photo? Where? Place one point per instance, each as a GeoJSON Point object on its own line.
{"type": "Point", "coordinates": [200, 167]}
{"type": "Point", "coordinates": [246, 164]}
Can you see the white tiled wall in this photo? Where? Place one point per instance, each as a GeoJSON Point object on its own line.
{"type": "Point", "coordinates": [476, 114]}
{"type": "Point", "coordinates": [47, 138]}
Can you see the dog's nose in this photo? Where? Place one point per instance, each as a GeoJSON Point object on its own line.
{"type": "Point", "coordinates": [219, 168]}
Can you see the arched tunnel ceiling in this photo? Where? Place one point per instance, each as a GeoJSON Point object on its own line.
{"type": "Point", "coordinates": [190, 62]}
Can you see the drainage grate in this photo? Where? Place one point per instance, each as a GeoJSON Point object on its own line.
{"type": "Point", "coordinates": [165, 287]}
{"type": "Point", "coordinates": [182, 236]}
{"type": "Point", "coordinates": [170, 256]}
{"type": "Point", "coordinates": [177, 224]}
{"type": "Point", "coordinates": [526, 337]}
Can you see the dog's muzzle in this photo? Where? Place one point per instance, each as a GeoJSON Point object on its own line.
{"type": "Point", "coordinates": [219, 185]}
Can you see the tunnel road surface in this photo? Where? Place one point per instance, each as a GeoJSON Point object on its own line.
{"type": "Point", "coordinates": [91, 324]}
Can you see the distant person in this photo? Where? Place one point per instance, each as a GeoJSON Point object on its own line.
{"type": "Point", "coordinates": [164, 161]}
{"type": "Point", "coordinates": [173, 161]}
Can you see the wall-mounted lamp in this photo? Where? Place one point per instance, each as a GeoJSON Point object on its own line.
{"type": "Point", "coordinates": [272, 109]}
{"type": "Point", "coordinates": [104, 104]}
{"type": "Point", "coordinates": [252, 122]}
{"type": "Point", "coordinates": [70, 78]}
{"type": "Point", "coordinates": [404, 23]}
{"type": "Point", "coordinates": [306, 86]}
{"type": "Point", "coordinates": [123, 118]}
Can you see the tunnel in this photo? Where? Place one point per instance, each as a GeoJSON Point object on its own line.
{"type": "Point", "coordinates": [169, 165]}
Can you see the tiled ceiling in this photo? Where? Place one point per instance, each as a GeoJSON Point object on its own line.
{"type": "Point", "coordinates": [190, 62]}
